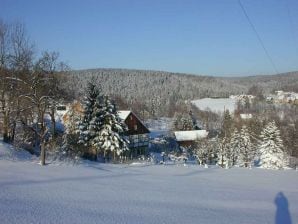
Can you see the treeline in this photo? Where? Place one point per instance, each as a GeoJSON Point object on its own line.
{"type": "Point", "coordinates": [160, 93]}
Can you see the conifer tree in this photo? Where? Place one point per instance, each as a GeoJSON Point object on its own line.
{"type": "Point", "coordinates": [271, 148]}
{"type": "Point", "coordinates": [227, 125]}
{"type": "Point", "coordinates": [108, 128]}
{"type": "Point", "coordinates": [247, 150]}
{"type": "Point", "coordinates": [92, 93]}
{"type": "Point", "coordinates": [183, 122]}
{"type": "Point", "coordinates": [223, 153]}
{"type": "Point", "coordinates": [235, 146]}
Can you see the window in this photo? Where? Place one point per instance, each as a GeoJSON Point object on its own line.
{"type": "Point", "coordinates": [135, 127]}
{"type": "Point", "coordinates": [61, 107]}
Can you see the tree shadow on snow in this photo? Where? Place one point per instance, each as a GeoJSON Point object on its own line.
{"type": "Point", "coordinates": [200, 170]}
{"type": "Point", "coordinates": [282, 215]}
{"type": "Point", "coordinates": [64, 179]}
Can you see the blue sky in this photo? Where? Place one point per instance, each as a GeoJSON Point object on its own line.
{"type": "Point", "coordinates": [208, 37]}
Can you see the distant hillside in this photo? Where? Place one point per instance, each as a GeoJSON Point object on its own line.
{"type": "Point", "coordinates": [285, 81]}
{"type": "Point", "coordinates": [166, 88]}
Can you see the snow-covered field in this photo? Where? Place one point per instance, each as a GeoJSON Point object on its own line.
{"type": "Point", "coordinates": [140, 193]}
{"type": "Point", "coordinates": [216, 105]}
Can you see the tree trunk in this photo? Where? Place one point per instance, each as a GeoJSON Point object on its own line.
{"type": "Point", "coordinates": [5, 128]}
{"type": "Point", "coordinates": [13, 131]}
{"type": "Point", "coordinates": [42, 154]}
{"type": "Point", "coordinates": [53, 125]}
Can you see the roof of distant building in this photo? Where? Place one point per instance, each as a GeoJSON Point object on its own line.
{"type": "Point", "coordinates": [190, 135]}
{"type": "Point", "coordinates": [246, 116]}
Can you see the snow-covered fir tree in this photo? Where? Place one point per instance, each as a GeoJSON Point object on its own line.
{"type": "Point", "coordinates": [92, 93]}
{"type": "Point", "coordinates": [234, 146]}
{"type": "Point", "coordinates": [183, 122]}
{"type": "Point", "coordinates": [227, 124]}
{"type": "Point", "coordinates": [247, 149]}
{"type": "Point", "coordinates": [107, 128]}
{"type": "Point", "coordinates": [223, 153]}
{"type": "Point", "coordinates": [271, 148]}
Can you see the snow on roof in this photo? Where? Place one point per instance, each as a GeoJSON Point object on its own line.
{"type": "Point", "coordinates": [246, 116]}
{"type": "Point", "coordinates": [123, 114]}
{"type": "Point", "coordinates": [190, 135]}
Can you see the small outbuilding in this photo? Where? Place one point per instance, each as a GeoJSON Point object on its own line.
{"type": "Point", "coordinates": [187, 138]}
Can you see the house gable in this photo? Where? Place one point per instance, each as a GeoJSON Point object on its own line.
{"type": "Point", "coordinates": [135, 126]}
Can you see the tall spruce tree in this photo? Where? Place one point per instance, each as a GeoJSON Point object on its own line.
{"type": "Point", "coordinates": [223, 153]}
{"type": "Point", "coordinates": [183, 122]}
{"type": "Point", "coordinates": [108, 128]}
{"type": "Point", "coordinates": [247, 150]}
{"type": "Point", "coordinates": [92, 93]}
{"type": "Point", "coordinates": [227, 124]}
{"type": "Point", "coordinates": [235, 146]}
{"type": "Point", "coordinates": [271, 148]}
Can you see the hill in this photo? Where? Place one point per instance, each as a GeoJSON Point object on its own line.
{"type": "Point", "coordinates": [166, 89]}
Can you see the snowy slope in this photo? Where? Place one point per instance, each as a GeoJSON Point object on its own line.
{"type": "Point", "coordinates": [99, 193]}
{"type": "Point", "coordinates": [216, 105]}
{"type": "Point", "coordinates": [8, 152]}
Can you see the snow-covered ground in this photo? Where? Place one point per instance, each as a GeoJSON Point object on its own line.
{"type": "Point", "coordinates": [217, 104]}
{"type": "Point", "coordinates": [144, 193]}
{"type": "Point", "coordinates": [8, 152]}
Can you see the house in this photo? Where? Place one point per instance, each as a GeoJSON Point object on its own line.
{"type": "Point", "coordinates": [282, 97]}
{"type": "Point", "coordinates": [137, 133]}
{"type": "Point", "coordinates": [187, 138]}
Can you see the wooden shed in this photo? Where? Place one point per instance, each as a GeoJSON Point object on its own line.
{"type": "Point", "coordinates": [187, 138]}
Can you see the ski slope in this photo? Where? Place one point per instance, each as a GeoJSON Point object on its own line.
{"type": "Point", "coordinates": [144, 193]}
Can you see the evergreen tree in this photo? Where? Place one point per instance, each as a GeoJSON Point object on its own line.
{"type": "Point", "coordinates": [247, 150]}
{"type": "Point", "coordinates": [235, 146]}
{"type": "Point", "coordinates": [92, 93]}
{"type": "Point", "coordinates": [227, 125]}
{"type": "Point", "coordinates": [271, 148]}
{"type": "Point", "coordinates": [223, 153]}
{"type": "Point", "coordinates": [183, 122]}
{"type": "Point", "coordinates": [107, 128]}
